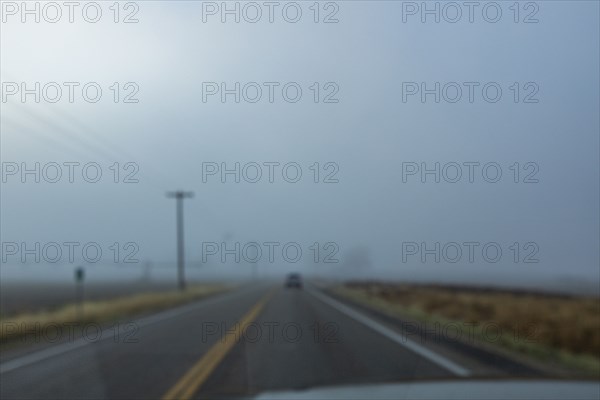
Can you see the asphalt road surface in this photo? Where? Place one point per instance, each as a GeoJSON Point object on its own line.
{"type": "Point", "coordinates": [256, 339]}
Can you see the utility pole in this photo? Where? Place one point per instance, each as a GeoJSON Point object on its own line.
{"type": "Point", "coordinates": [179, 196]}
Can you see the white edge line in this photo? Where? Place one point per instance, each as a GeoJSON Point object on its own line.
{"type": "Point", "coordinates": [59, 349]}
{"type": "Point", "coordinates": [393, 335]}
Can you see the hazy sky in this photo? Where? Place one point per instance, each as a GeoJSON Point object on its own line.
{"type": "Point", "coordinates": [369, 133]}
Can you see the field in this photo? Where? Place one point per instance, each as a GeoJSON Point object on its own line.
{"type": "Point", "coordinates": [19, 298]}
{"type": "Point", "coordinates": [564, 329]}
{"type": "Point", "coordinates": [103, 311]}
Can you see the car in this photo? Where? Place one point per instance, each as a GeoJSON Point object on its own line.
{"type": "Point", "coordinates": [293, 280]}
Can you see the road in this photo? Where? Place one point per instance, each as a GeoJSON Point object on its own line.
{"type": "Point", "coordinates": [258, 338]}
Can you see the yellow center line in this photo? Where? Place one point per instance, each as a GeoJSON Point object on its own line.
{"type": "Point", "coordinates": [188, 385]}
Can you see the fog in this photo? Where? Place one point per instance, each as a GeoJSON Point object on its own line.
{"type": "Point", "coordinates": [368, 208]}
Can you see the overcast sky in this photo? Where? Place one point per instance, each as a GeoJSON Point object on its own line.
{"type": "Point", "coordinates": [362, 61]}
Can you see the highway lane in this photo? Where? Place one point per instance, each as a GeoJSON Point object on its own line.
{"type": "Point", "coordinates": [164, 350]}
{"type": "Point", "coordinates": [313, 344]}
{"type": "Point", "coordinates": [256, 339]}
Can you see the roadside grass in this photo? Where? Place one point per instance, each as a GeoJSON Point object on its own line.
{"type": "Point", "coordinates": [559, 330]}
{"type": "Point", "coordinates": [102, 311]}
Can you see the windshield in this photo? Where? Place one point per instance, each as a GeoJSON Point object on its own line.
{"type": "Point", "coordinates": [323, 199]}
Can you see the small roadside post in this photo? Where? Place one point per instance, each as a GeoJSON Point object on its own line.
{"type": "Point", "coordinates": [79, 277]}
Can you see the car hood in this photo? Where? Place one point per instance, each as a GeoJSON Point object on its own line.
{"type": "Point", "coordinates": [462, 389]}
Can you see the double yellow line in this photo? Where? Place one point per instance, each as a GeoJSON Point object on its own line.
{"type": "Point", "coordinates": [188, 385]}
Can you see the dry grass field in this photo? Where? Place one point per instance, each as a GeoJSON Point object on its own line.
{"type": "Point", "coordinates": [101, 311]}
{"type": "Point", "coordinates": [550, 327]}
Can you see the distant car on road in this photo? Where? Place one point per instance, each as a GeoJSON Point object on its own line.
{"type": "Point", "coordinates": [293, 281]}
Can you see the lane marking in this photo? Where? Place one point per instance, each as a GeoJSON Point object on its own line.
{"type": "Point", "coordinates": [63, 348]}
{"type": "Point", "coordinates": [189, 384]}
{"type": "Point", "coordinates": [393, 335]}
